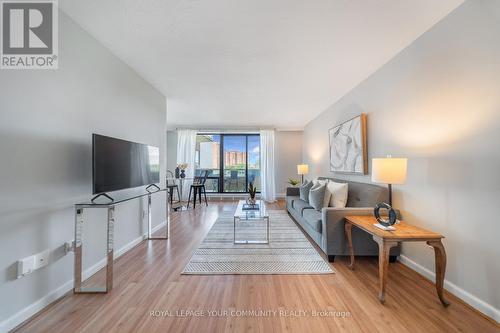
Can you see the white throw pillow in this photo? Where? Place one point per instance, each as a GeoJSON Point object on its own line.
{"type": "Point", "coordinates": [338, 194]}
{"type": "Point", "coordinates": [326, 200]}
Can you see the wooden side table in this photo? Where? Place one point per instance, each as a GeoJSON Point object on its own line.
{"type": "Point", "coordinates": [388, 239]}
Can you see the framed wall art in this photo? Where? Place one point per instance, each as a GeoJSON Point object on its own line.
{"type": "Point", "coordinates": [348, 146]}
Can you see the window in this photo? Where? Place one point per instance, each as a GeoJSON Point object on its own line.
{"type": "Point", "coordinates": [232, 161]}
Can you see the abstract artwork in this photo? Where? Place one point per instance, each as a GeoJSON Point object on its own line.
{"type": "Point", "coordinates": [348, 146]}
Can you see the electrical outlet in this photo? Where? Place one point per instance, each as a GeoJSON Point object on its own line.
{"type": "Point", "coordinates": [25, 266]}
{"type": "Point", "coordinates": [69, 246]}
{"type": "Point", "coordinates": [30, 264]}
{"type": "Point", "coordinates": [41, 259]}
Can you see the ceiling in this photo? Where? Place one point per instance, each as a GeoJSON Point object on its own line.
{"type": "Point", "coordinates": [234, 63]}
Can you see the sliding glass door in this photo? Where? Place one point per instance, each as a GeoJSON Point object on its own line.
{"type": "Point", "coordinates": [233, 161]}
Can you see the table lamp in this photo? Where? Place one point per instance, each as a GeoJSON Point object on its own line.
{"type": "Point", "coordinates": [302, 169]}
{"type": "Point", "coordinates": [390, 171]}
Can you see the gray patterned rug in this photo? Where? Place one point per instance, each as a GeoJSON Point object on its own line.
{"type": "Point", "coordinates": [288, 251]}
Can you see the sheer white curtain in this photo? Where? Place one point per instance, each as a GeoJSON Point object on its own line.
{"type": "Point", "coordinates": [186, 150]}
{"type": "Point", "coordinates": [267, 188]}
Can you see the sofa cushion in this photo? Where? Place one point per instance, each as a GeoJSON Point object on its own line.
{"type": "Point", "coordinates": [317, 196]}
{"type": "Point", "coordinates": [289, 200]}
{"type": "Point", "coordinates": [304, 190]}
{"type": "Point", "coordinates": [366, 195]}
{"type": "Point", "coordinates": [313, 219]}
{"type": "Point", "coordinates": [363, 194]}
{"type": "Point", "coordinates": [299, 205]}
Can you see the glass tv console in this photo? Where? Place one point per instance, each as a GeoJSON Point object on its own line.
{"type": "Point", "coordinates": [78, 287]}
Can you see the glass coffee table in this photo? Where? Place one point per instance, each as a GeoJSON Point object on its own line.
{"type": "Point", "coordinates": [249, 215]}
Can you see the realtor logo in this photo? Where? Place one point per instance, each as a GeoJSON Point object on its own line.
{"type": "Point", "coordinates": [29, 34]}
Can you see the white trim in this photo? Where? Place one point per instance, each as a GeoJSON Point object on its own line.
{"type": "Point", "coordinates": [475, 302]}
{"type": "Point", "coordinates": [32, 309]}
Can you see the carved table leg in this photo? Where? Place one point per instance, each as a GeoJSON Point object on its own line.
{"type": "Point", "coordinates": [384, 247]}
{"type": "Point", "coordinates": [440, 258]}
{"type": "Point", "coordinates": [348, 235]}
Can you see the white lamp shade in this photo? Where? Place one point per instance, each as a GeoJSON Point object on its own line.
{"type": "Point", "coordinates": [302, 169]}
{"type": "Point", "coordinates": [389, 170]}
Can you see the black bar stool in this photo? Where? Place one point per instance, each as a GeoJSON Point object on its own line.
{"type": "Point", "coordinates": [171, 186]}
{"type": "Point", "coordinates": [198, 187]}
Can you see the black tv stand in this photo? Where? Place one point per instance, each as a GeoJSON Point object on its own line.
{"type": "Point", "coordinates": [103, 195]}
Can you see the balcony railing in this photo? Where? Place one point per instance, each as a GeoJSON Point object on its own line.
{"type": "Point", "coordinates": [234, 181]}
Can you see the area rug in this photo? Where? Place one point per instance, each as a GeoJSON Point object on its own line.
{"type": "Point", "coordinates": [288, 251]}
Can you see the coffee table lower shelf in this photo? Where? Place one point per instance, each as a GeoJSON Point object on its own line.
{"type": "Point", "coordinates": [237, 218]}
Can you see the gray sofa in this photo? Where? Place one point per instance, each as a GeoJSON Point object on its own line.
{"type": "Point", "coordinates": [326, 227]}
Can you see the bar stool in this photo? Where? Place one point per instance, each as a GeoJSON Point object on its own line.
{"type": "Point", "coordinates": [198, 187]}
{"type": "Point", "coordinates": [171, 186]}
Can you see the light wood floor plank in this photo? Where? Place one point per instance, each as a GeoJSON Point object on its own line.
{"type": "Point", "coordinates": [149, 278]}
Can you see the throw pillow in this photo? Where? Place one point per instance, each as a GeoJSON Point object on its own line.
{"type": "Point", "coordinates": [304, 190]}
{"type": "Point", "coordinates": [317, 196]}
{"type": "Point", "coordinates": [338, 193]}
{"type": "Point", "coordinates": [326, 199]}
{"type": "Point", "coordinates": [320, 181]}
{"type": "Point", "coordinates": [315, 186]}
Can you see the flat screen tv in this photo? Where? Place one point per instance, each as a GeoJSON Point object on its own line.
{"type": "Point", "coordinates": [119, 164]}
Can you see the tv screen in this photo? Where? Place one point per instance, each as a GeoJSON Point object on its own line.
{"type": "Point", "coordinates": [119, 164]}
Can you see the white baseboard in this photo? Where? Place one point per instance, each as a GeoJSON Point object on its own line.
{"type": "Point", "coordinates": [478, 304]}
{"type": "Point", "coordinates": [32, 309]}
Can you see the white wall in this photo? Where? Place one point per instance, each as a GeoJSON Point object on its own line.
{"type": "Point", "coordinates": [46, 122]}
{"type": "Point", "coordinates": [288, 145]}
{"type": "Point", "coordinates": [438, 104]}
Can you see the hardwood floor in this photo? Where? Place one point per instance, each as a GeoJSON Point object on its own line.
{"type": "Point", "coordinates": [148, 278]}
